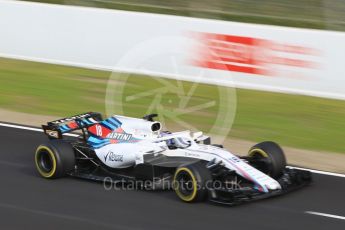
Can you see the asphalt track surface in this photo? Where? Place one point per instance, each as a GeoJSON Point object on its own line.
{"type": "Point", "coordinates": [30, 202]}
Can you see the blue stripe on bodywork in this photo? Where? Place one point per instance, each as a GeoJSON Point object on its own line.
{"type": "Point", "coordinates": [97, 143]}
{"type": "Point", "coordinates": [106, 123]}
{"type": "Point", "coordinates": [115, 121]}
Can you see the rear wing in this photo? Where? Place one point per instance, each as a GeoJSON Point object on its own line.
{"type": "Point", "coordinates": [55, 129]}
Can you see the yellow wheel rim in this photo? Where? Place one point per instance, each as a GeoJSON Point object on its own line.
{"type": "Point", "coordinates": [259, 151]}
{"type": "Point", "coordinates": [51, 154]}
{"type": "Point", "coordinates": [183, 197]}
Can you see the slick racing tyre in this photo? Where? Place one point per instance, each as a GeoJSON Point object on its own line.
{"type": "Point", "coordinates": [54, 159]}
{"type": "Point", "coordinates": [190, 182]}
{"type": "Point", "coordinates": [271, 156]}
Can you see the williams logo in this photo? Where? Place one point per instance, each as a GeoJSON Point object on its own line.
{"type": "Point", "coordinates": [113, 157]}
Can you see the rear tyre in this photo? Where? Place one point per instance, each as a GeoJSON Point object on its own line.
{"type": "Point", "coordinates": [54, 159]}
{"type": "Point", "coordinates": [271, 157]}
{"type": "Point", "coordinates": [190, 182]}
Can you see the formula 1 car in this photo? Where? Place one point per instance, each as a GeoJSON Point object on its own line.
{"type": "Point", "coordinates": [126, 150]}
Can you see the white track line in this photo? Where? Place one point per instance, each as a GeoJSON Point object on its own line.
{"type": "Point", "coordinates": [326, 215]}
{"type": "Point", "coordinates": [32, 129]}
{"type": "Point", "coordinates": [76, 135]}
{"type": "Point", "coordinates": [319, 171]}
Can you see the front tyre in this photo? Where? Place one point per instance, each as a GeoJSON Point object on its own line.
{"type": "Point", "coordinates": [190, 182]}
{"type": "Point", "coordinates": [54, 159]}
{"type": "Point", "coordinates": [269, 157]}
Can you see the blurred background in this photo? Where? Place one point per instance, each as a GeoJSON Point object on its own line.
{"type": "Point", "coordinates": [317, 14]}
{"type": "Point", "coordinates": [310, 128]}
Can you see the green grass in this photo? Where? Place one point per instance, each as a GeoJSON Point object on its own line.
{"type": "Point", "coordinates": [317, 14]}
{"type": "Point", "coordinates": [292, 120]}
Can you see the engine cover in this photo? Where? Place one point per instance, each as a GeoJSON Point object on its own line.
{"type": "Point", "coordinates": [139, 128]}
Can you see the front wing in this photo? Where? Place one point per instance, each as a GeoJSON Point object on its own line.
{"type": "Point", "coordinates": [291, 180]}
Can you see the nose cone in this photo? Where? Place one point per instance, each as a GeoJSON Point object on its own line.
{"type": "Point", "coordinates": [273, 185]}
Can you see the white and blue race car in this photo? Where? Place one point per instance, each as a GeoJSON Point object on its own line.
{"type": "Point", "coordinates": [124, 149]}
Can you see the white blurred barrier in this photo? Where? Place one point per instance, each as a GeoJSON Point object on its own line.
{"type": "Point", "coordinates": [260, 57]}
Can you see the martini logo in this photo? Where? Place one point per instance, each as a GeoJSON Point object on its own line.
{"type": "Point", "coordinates": [120, 136]}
